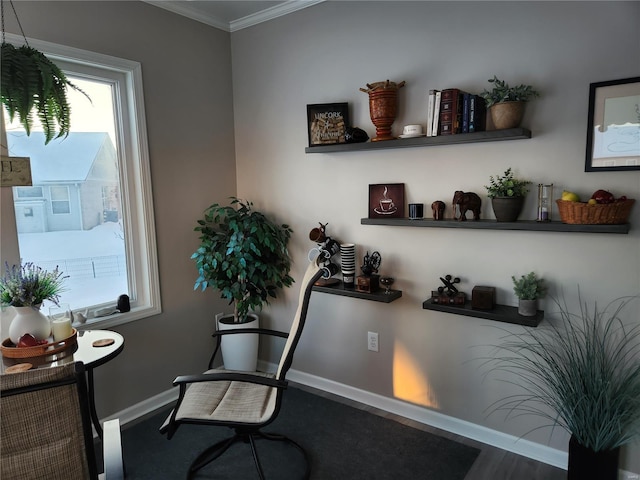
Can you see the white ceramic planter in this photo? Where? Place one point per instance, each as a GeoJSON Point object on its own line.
{"type": "Point", "coordinates": [239, 352]}
{"type": "Point", "coordinates": [29, 320]}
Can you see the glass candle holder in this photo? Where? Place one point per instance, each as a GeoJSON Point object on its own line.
{"type": "Point", "coordinates": [545, 202]}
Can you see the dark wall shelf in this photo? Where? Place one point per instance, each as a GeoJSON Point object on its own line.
{"type": "Point", "coordinates": [476, 137]}
{"type": "Point", "coordinates": [501, 313]}
{"type": "Point", "coordinates": [340, 289]}
{"type": "Point", "coordinates": [494, 225]}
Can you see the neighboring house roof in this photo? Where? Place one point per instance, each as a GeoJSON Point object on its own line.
{"type": "Point", "coordinates": [62, 160]}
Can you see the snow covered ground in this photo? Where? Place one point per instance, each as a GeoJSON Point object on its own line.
{"type": "Point", "coordinates": [80, 290]}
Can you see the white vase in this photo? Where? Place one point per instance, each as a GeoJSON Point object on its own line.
{"type": "Point", "coordinates": [29, 320]}
{"type": "Point", "coordinates": [240, 351]}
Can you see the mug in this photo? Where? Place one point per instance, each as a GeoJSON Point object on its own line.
{"type": "Point", "coordinates": [331, 246]}
{"type": "Point", "coordinates": [416, 211]}
{"type": "Point", "coordinates": [317, 235]}
{"type": "Point", "coordinates": [412, 130]}
{"type": "Point", "coordinates": [329, 270]}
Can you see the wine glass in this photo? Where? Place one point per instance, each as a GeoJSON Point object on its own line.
{"type": "Point", "coordinates": [387, 282]}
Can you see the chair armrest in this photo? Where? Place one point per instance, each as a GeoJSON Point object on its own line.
{"type": "Point", "coordinates": [231, 377]}
{"type": "Point", "coordinates": [262, 331]}
{"type": "Point", "coordinates": [112, 450]}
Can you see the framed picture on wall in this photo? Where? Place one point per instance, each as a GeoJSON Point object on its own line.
{"type": "Point", "coordinates": [327, 123]}
{"type": "Point", "coordinates": [613, 132]}
{"type": "Point", "coordinates": [386, 200]}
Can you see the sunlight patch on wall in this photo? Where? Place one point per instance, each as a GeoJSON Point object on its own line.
{"type": "Point", "coordinates": [409, 381]}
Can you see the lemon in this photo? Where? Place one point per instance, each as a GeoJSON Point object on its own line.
{"type": "Point", "coordinates": [592, 201]}
{"type": "Point", "coordinates": [570, 196]}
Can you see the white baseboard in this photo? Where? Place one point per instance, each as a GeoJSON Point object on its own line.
{"type": "Point", "coordinates": [146, 406]}
{"type": "Point", "coordinates": [510, 443]}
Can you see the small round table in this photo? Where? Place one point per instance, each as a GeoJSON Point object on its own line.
{"type": "Point", "coordinates": [93, 348]}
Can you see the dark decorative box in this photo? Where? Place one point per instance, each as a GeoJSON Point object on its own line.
{"type": "Point", "coordinates": [483, 298]}
{"type": "Point", "coordinates": [458, 298]}
{"type": "Point", "coordinates": [368, 283]}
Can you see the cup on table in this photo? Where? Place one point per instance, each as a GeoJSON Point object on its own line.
{"type": "Point", "coordinates": [60, 316]}
{"type": "Point", "coordinates": [416, 211]}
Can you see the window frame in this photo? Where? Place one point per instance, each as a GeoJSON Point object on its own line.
{"type": "Point", "coordinates": [135, 174]}
{"type": "Point", "coordinates": [67, 200]}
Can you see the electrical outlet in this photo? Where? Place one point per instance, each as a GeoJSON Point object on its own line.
{"type": "Point", "coordinates": [372, 340]}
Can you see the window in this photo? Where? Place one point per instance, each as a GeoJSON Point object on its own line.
{"type": "Point", "coordinates": [98, 226]}
{"type": "Point", "coordinates": [29, 192]}
{"type": "Point", "coordinates": [59, 200]}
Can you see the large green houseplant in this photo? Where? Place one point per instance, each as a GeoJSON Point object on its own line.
{"type": "Point", "coordinates": [243, 254]}
{"type": "Point", "coordinates": [506, 103]}
{"type": "Point", "coordinates": [507, 195]}
{"type": "Point", "coordinates": [581, 372]}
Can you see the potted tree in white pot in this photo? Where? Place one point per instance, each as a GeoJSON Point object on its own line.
{"type": "Point", "coordinates": [244, 256]}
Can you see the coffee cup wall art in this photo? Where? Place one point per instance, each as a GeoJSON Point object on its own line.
{"type": "Point", "coordinates": [386, 200]}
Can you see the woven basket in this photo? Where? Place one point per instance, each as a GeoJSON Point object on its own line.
{"type": "Point", "coordinates": [600, 214]}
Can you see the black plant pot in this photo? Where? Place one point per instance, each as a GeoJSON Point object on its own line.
{"type": "Point", "coordinates": [585, 463]}
{"type": "Point", "coordinates": [507, 209]}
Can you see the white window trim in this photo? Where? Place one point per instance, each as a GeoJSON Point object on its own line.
{"type": "Point", "coordinates": [134, 157]}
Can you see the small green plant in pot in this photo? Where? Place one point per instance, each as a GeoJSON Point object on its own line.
{"type": "Point", "coordinates": [579, 371]}
{"type": "Point", "coordinates": [506, 103]}
{"type": "Point", "coordinates": [507, 195]}
{"type": "Point", "coordinates": [528, 288]}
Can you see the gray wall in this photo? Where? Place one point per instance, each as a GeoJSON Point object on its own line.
{"type": "Point", "coordinates": [187, 86]}
{"type": "Point", "coordinates": [325, 54]}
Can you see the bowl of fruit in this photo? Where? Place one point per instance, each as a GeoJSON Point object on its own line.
{"type": "Point", "coordinates": [602, 208]}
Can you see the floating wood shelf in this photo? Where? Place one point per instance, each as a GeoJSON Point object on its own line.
{"type": "Point", "coordinates": [494, 225]}
{"type": "Point", "coordinates": [501, 313]}
{"type": "Point", "coordinates": [340, 289]}
{"type": "Point", "coordinates": [476, 137]}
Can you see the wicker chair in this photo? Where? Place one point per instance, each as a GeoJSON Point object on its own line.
{"type": "Point", "coordinates": [46, 427]}
{"type": "Point", "coordinates": [242, 401]}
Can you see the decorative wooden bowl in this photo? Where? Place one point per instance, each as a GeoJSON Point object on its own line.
{"type": "Point", "coordinates": [9, 350]}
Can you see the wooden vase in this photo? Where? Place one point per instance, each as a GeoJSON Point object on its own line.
{"type": "Point", "coordinates": [383, 107]}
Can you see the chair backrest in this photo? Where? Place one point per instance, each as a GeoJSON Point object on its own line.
{"type": "Point", "coordinates": [45, 425]}
{"type": "Point", "coordinates": [312, 274]}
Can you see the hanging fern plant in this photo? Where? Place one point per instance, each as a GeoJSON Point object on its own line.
{"type": "Point", "coordinates": [33, 84]}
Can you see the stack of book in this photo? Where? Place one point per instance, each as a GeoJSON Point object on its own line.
{"type": "Point", "coordinates": [452, 111]}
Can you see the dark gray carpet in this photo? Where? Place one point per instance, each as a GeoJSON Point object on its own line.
{"type": "Point", "coordinates": [344, 443]}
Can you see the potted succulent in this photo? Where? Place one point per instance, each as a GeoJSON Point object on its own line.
{"type": "Point", "coordinates": [31, 83]}
{"type": "Point", "coordinates": [24, 288]}
{"type": "Point", "coordinates": [507, 195]}
{"type": "Point", "coordinates": [581, 372]}
{"type": "Point", "coordinates": [244, 256]}
{"type": "Point", "coordinates": [506, 104]}
{"type": "Point", "coordinates": [528, 288]}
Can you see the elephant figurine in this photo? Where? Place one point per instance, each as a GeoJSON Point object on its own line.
{"type": "Point", "coordinates": [466, 201]}
{"type": "Point", "coordinates": [438, 209]}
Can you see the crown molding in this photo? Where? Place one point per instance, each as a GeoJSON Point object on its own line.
{"type": "Point", "coordinates": [271, 13]}
{"type": "Point", "coordinates": [183, 8]}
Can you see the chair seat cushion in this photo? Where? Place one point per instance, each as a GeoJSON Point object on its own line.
{"type": "Point", "coordinates": [228, 401]}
